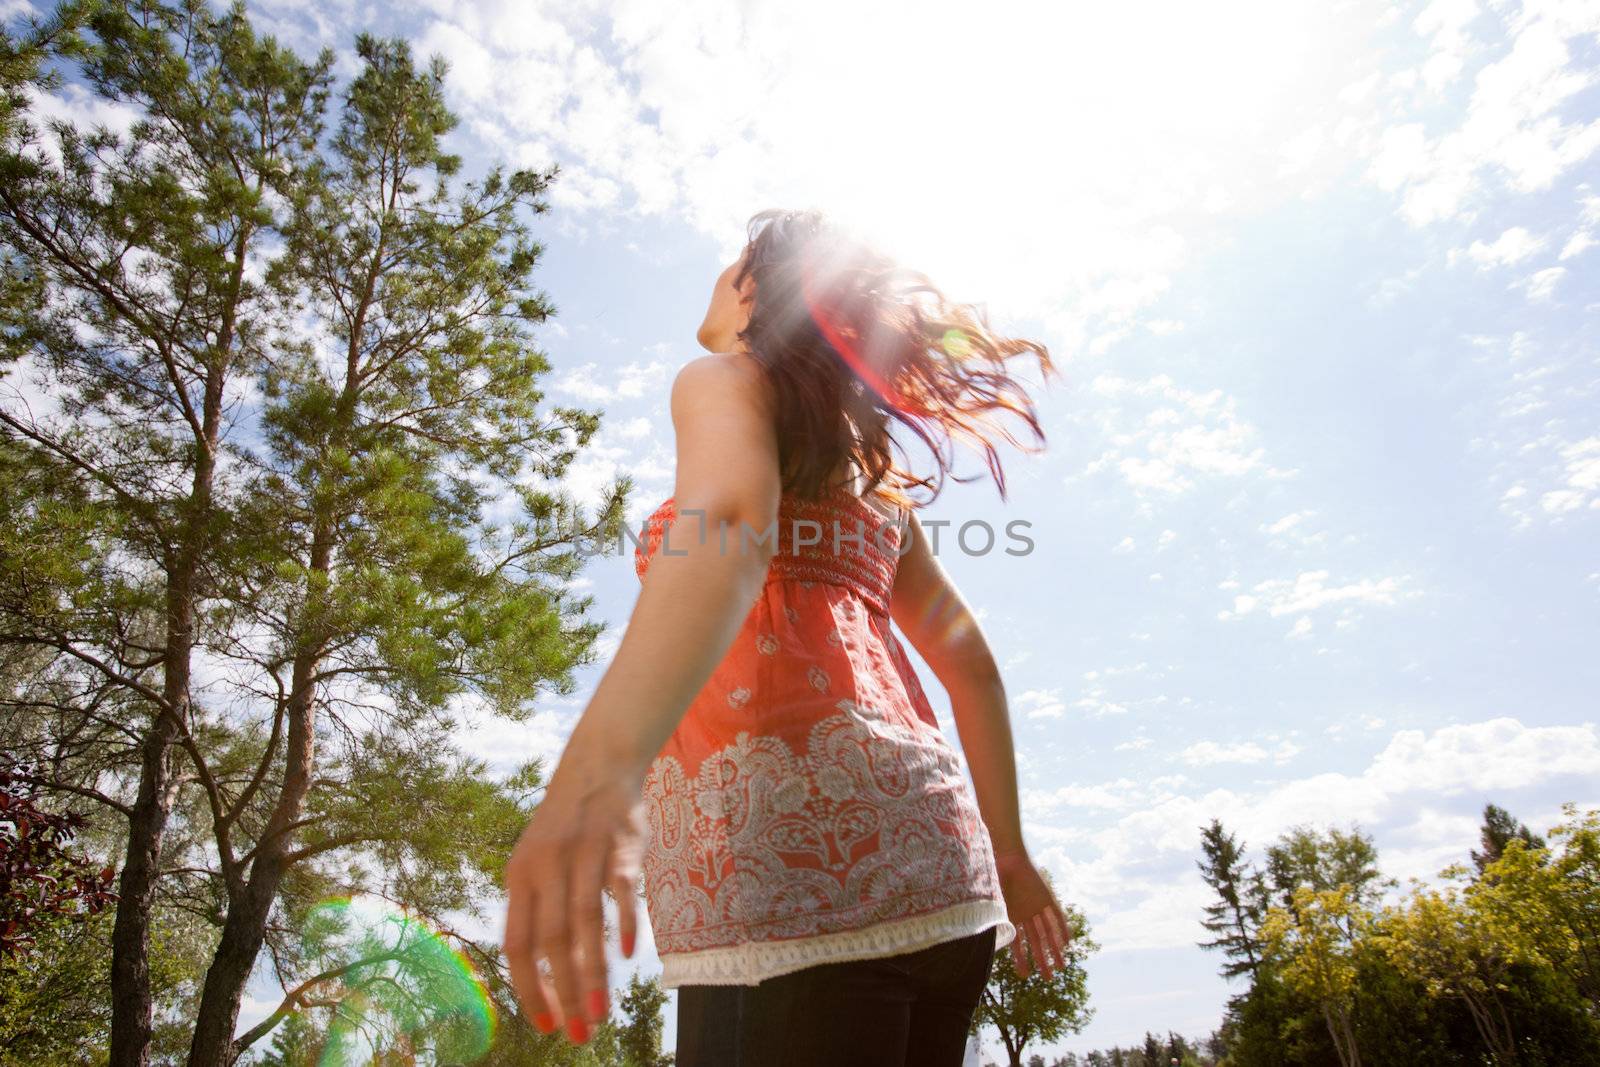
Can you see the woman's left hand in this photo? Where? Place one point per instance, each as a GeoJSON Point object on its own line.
{"type": "Point", "coordinates": [588, 833]}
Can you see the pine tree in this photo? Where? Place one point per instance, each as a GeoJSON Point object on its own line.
{"type": "Point", "coordinates": [135, 250]}
{"type": "Point", "coordinates": [1235, 917]}
{"type": "Point", "coordinates": [1499, 829]}
{"type": "Point", "coordinates": [294, 426]}
{"type": "Point", "coordinates": [294, 1044]}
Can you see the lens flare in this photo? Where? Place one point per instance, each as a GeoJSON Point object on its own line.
{"type": "Point", "coordinates": [814, 271]}
{"type": "Point", "coordinates": [404, 989]}
{"type": "Point", "coordinates": [956, 343]}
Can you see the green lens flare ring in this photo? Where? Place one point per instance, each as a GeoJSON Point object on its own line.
{"type": "Point", "coordinates": [956, 343]}
{"type": "Point", "coordinates": [403, 987]}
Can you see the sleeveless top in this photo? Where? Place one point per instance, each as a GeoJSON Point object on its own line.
{"type": "Point", "coordinates": [808, 809]}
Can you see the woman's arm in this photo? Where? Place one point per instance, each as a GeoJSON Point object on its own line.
{"type": "Point", "coordinates": [588, 830]}
{"type": "Point", "coordinates": [931, 612]}
{"type": "Point", "coordinates": [697, 593]}
{"type": "Point", "coordinates": [935, 618]}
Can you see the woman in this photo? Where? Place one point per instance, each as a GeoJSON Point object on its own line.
{"type": "Point", "coordinates": [822, 886]}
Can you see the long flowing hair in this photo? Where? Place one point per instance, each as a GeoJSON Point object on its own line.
{"type": "Point", "coordinates": [850, 341]}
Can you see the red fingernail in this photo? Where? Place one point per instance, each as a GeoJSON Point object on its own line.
{"type": "Point", "coordinates": [627, 945]}
{"type": "Point", "coordinates": [597, 1004]}
{"type": "Point", "coordinates": [577, 1031]}
{"type": "Point", "coordinates": [545, 1022]}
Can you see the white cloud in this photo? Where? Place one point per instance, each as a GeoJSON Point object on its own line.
{"type": "Point", "coordinates": [1310, 591]}
{"type": "Point", "coordinates": [1513, 124]}
{"type": "Point", "coordinates": [1582, 473]}
{"type": "Point", "coordinates": [1541, 285]}
{"type": "Point", "coordinates": [1114, 796]}
{"type": "Point", "coordinates": [1512, 246]}
{"type": "Point", "coordinates": [1206, 753]}
{"type": "Point", "coordinates": [589, 382]}
{"type": "Point", "coordinates": [705, 112]}
{"type": "Point", "coordinates": [1419, 796]}
{"type": "Point", "coordinates": [635, 428]}
{"type": "Point", "coordinates": [1166, 439]}
{"type": "Point", "coordinates": [1040, 703]}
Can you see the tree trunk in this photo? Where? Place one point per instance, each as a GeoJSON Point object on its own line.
{"type": "Point", "coordinates": [1014, 1043]}
{"type": "Point", "coordinates": [131, 997]}
{"type": "Point", "coordinates": [243, 932]}
{"type": "Point", "coordinates": [250, 904]}
{"type": "Point", "coordinates": [131, 1000]}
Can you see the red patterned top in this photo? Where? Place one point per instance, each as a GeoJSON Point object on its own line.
{"type": "Point", "coordinates": [808, 808]}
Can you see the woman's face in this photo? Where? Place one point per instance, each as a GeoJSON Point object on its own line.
{"type": "Point", "coordinates": [728, 313]}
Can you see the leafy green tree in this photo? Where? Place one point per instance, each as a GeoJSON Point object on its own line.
{"type": "Point", "coordinates": [639, 1038]}
{"type": "Point", "coordinates": [1395, 1021]}
{"type": "Point", "coordinates": [1279, 1018]}
{"type": "Point", "coordinates": [1551, 895]}
{"type": "Point", "coordinates": [1313, 940]}
{"type": "Point", "coordinates": [134, 249]}
{"type": "Point", "coordinates": [1461, 950]}
{"type": "Point", "coordinates": [53, 1010]}
{"type": "Point", "coordinates": [53, 921]}
{"type": "Point", "coordinates": [1323, 860]}
{"type": "Point", "coordinates": [1037, 1008]}
{"type": "Point", "coordinates": [296, 433]}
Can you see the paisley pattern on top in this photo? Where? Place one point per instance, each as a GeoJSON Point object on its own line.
{"type": "Point", "coordinates": [808, 808]}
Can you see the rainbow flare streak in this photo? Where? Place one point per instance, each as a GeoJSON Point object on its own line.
{"type": "Point", "coordinates": [406, 989]}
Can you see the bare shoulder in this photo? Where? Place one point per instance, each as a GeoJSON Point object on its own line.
{"type": "Point", "coordinates": [717, 378]}
{"type": "Point", "coordinates": [726, 443]}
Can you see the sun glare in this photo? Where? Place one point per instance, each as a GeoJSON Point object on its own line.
{"type": "Point", "coordinates": [1031, 149]}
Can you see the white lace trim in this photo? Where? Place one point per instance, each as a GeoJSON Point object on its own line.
{"type": "Point", "coordinates": [756, 961]}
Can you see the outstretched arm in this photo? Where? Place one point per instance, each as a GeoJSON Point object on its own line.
{"type": "Point", "coordinates": [588, 830]}
{"type": "Point", "coordinates": [697, 595]}
{"type": "Point", "coordinates": [942, 628]}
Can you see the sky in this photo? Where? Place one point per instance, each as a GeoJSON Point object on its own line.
{"type": "Point", "coordinates": [1315, 532]}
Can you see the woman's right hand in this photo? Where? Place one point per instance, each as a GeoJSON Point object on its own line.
{"type": "Point", "coordinates": [1042, 929]}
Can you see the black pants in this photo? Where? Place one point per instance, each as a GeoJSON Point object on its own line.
{"type": "Point", "coordinates": [913, 1009]}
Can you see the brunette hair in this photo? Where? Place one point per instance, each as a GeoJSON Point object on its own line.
{"type": "Point", "coordinates": [850, 340]}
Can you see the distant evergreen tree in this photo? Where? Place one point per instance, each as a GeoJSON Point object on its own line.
{"type": "Point", "coordinates": [1235, 916]}
{"type": "Point", "coordinates": [294, 1044]}
{"type": "Point", "coordinates": [1499, 829]}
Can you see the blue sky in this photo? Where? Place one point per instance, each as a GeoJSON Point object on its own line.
{"type": "Point", "coordinates": [1316, 531]}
